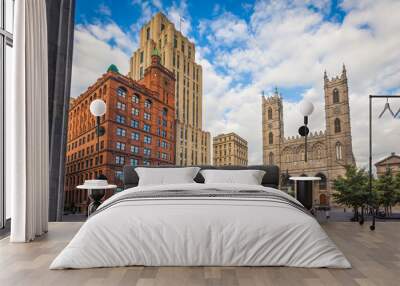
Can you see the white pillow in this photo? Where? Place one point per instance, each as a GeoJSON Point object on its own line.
{"type": "Point", "coordinates": [248, 177]}
{"type": "Point", "coordinates": [166, 176]}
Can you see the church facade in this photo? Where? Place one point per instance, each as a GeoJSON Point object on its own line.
{"type": "Point", "coordinates": [328, 151]}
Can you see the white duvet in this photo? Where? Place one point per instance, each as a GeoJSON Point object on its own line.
{"type": "Point", "coordinates": [200, 231]}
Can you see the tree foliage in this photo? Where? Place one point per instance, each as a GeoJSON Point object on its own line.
{"type": "Point", "coordinates": [352, 189]}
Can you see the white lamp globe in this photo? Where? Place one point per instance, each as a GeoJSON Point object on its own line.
{"type": "Point", "coordinates": [98, 107]}
{"type": "Point", "coordinates": [306, 107]}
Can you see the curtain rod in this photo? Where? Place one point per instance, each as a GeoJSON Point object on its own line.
{"type": "Point", "coordinates": [384, 96]}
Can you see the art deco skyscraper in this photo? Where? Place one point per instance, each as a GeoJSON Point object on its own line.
{"type": "Point", "coordinates": [178, 55]}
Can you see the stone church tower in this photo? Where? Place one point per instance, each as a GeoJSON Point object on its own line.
{"type": "Point", "coordinates": [328, 151]}
{"type": "Point", "coordinates": [272, 118]}
{"type": "Point", "coordinates": [338, 128]}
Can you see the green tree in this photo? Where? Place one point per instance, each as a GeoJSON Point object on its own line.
{"type": "Point", "coordinates": [397, 187]}
{"type": "Point", "coordinates": [352, 189]}
{"type": "Point", "coordinates": [386, 186]}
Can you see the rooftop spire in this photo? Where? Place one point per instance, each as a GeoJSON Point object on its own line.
{"type": "Point", "coordinates": [344, 71]}
{"type": "Point", "coordinates": [155, 52]}
{"type": "Point", "coordinates": [113, 68]}
{"type": "Point", "coordinates": [325, 77]}
{"type": "Point", "coordinates": [155, 56]}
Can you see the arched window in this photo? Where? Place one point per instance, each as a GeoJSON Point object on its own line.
{"type": "Point", "coordinates": [317, 151]}
{"type": "Point", "coordinates": [337, 125]}
{"type": "Point", "coordinates": [270, 138]}
{"type": "Point", "coordinates": [135, 98]}
{"type": "Point", "coordinates": [271, 158]}
{"type": "Point", "coordinates": [147, 103]}
{"type": "Point", "coordinates": [121, 91]}
{"type": "Point", "coordinates": [335, 95]}
{"type": "Point", "coordinates": [338, 151]}
{"type": "Point", "coordinates": [269, 113]}
{"type": "Point", "coordinates": [322, 182]}
{"type": "Point", "coordinates": [286, 155]}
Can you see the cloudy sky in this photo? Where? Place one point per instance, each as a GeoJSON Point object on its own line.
{"type": "Point", "coordinates": [246, 47]}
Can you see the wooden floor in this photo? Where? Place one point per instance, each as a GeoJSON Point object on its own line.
{"type": "Point", "coordinates": [375, 257]}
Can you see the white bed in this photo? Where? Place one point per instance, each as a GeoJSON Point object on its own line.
{"type": "Point", "coordinates": [185, 230]}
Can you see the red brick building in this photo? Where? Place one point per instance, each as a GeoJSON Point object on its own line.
{"type": "Point", "coordinates": [139, 128]}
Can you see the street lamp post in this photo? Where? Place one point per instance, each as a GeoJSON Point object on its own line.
{"type": "Point", "coordinates": [98, 109]}
{"type": "Point", "coordinates": [305, 108]}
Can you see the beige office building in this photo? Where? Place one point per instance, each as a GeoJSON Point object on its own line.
{"type": "Point", "coordinates": [178, 55]}
{"type": "Point", "coordinates": [230, 149]}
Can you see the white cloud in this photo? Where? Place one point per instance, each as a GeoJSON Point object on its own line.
{"type": "Point", "coordinates": [179, 15]}
{"type": "Point", "coordinates": [104, 10]}
{"type": "Point", "coordinates": [95, 48]}
{"type": "Point", "coordinates": [227, 29]}
{"type": "Point", "coordinates": [289, 45]}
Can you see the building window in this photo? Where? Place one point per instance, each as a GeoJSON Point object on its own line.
{"type": "Point", "coordinates": [148, 33]}
{"type": "Point", "coordinates": [338, 151]}
{"type": "Point", "coordinates": [134, 162]}
{"type": "Point", "coordinates": [120, 146]}
{"type": "Point", "coordinates": [317, 152]}
{"type": "Point", "coordinates": [147, 152]}
{"type": "Point", "coordinates": [163, 133]}
{"type": "Point", "coordinates": [269, 113]}
{"type": "Point", "coordinates": [270, 138]}
{"type": "Point", "coordinates": [146, 162]}
{"type": "Point", "coordinates": [135, 99]}
{"type": "Point", "coordinates": [146, 116]}
{"type": "Point", "coordinates": [335, 95]}
{"type": "Point", "coordinates": [6, 65]}
{"type": "Point", "coordinates": [322, 182]}
{"type": "Point", "coordinates": [164, 156]}
{"type": "Point", "coordinates": [119, 160]}
{"type": "Point", "coordinates": [135, 112]}
{"type": "Point", "coordinates": [146, 127]}
{"type": "Point", "coordinates": [134, 149]}
{"type": "Point", "coordinates": [141, 72]}
{"type": "Point", "coordinates": [141, 57]}
{"type": "Point", "coordinates": [147, 139]}
{"type": "Point", "coordinates": [134, 123]}
{"type": "Point", "coordinates": [120, 119]}
{"type": "Point", "coordinates": [147, 104]}
{"type": "Point", "coordinates": [164, 112]}
{"type": "Point", "coordinates": [175, 42]}
{"type": "Point", "coordinates": [337, 125]}
{"type": "Point", "coordinates": [120, 105]}
{"type": "Point", "coordinates": [121, 132]}
{"type": "Point", "coordinates": [164, 144]}
{"type": "Point", "coordinates": [121, 91]}
{"type": "Point", "coordinates": [271, 158]}
{"type": "Point", "coordinates": [119, 175]}
{"type": "Point", "coordinates": [135, 136]}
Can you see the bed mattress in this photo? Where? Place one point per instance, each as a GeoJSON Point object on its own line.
{"type": "Point", "coordinates": [201, 225]}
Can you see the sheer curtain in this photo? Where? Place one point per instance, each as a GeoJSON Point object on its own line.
{"type": "Point", "coordinates": [27, 142]}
